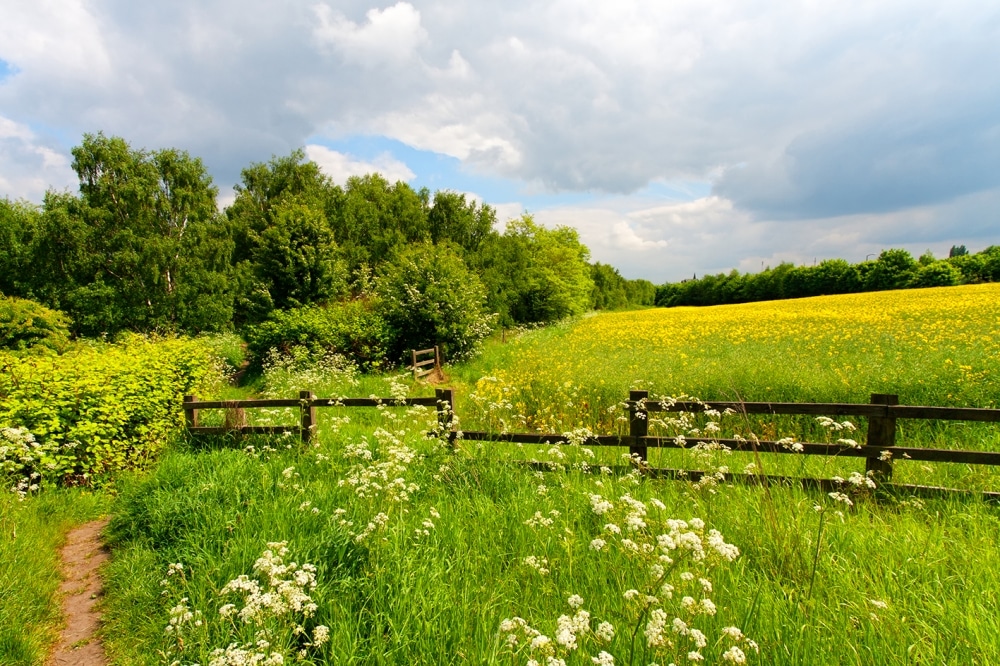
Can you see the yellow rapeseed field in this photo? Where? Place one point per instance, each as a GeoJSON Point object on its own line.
{"type": "Point", "coordinates": [937, 346]}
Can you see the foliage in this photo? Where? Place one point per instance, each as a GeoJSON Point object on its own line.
{"type": "Point", "coordinates": [356, 329]}
{"type": "Point", "coordinates": [429, 297]}
{"type": "Point", "coordinates": [936, 274]}
{"type": "Point", "coordinates": [893, 269]}
{"type": "Point", "coordinates": [96, 410]}
{"type": "Point", "coordinates": [139, 249]}
{"type": "Point", "coordinates": [25, 324]}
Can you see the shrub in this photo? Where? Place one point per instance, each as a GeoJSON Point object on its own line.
{"type": "Point", "coordinates": [353, 328]}
{"type": "Point", "coordinates": [429, 297]}
{"type": "Point", "coordinates": [25, 324]}
{"type": "Point", "coordinates": [95, 410]}
{"type": "Point", "coordinates": [937, 274]}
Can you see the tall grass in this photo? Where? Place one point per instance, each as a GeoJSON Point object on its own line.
{"type": "Point", "coordinates": [469, 549]}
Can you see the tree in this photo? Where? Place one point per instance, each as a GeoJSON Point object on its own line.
{"type": "Point", "coordinates": [957, 251]}
{"type": "Point", "coordinates": [609, 292]}
{"type": "Point", "coordinates": [936, 274]}
{"type": "Point", "coordinates": [555, 281]}
{"type": "Point", "coordinates": [893, 270]}
{"type": "Point", "coordinates": [125, 252]}
{"type": "Point", "coordinates": [285, 254]}
{"type": "Point", "coordinates": [428, 297]}
{"type": "Point", "coordinates": [452, 218]}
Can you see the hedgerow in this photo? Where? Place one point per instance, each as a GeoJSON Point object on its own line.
{"type": "Point", "coordinates": [77, 418]}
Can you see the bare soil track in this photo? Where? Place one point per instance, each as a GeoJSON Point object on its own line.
{"type": "Point", "coordinates": [81, 589]}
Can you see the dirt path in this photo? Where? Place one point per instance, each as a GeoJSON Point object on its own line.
{"type": "Point", "coordinates": [81, 556]}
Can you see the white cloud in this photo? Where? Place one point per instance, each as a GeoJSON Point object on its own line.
{"type": "Point", "coordinates": [389, 35]}
{"type": "Point", "coordinates": [28, 167]}
{"type": "Point", "coordinates": [858, 113]}
{"type": "Point", "coordinates": [340, 167]}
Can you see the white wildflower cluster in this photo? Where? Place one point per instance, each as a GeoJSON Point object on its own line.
{"type": "Point", "coordinates": [669, 607]}
{"type": "Point", "coordinates": [574, 633]}
{"type": "Point", "coordinates": [381, 475]}
{"type": "Point", "coordinates": [275, 606]}
{"type": "Point", "coordinates": [27, 462]}
{"type": "Point", "coordinates": [835, 426]}
{"type": "Point", "coordinates": [299, 369]}
{"type": "Point", "coordinates": [539, 564]}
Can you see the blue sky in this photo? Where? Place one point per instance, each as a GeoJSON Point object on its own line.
{"type": "Point", "coordinates": [678, 138]}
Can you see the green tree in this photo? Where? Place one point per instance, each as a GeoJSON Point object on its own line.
{"type": "Point", "coordinates": [555, 281]}
{"type": "Point", "coordinates": [893, 270]}
{"type": "Point", "coordinates": [610, 288]}
{"type": "Point", "coordinates": [936, 274]}
{"type": "Point", "coordinates": [138, 240]}
{"type": "Point", "coordinates": [465, 223]}
{"type": "Point", "coordinates": [285, 253]}
{"type": "Point", "coordinates": [428, 297]}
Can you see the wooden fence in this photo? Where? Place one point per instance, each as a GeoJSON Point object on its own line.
{"type": "Point", "coordinates": [879, 450]}
{"type": "Point", "coordinates": [428, 358]}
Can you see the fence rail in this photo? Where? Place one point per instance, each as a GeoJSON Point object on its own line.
{"type": "Point", "coordinates": [880, 449]}
{"type": "Point", "coordinates": [433, 364]}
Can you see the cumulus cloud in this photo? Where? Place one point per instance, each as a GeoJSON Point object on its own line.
{"type": "Point", "coordinates": [388, 35]}
{"type": "Point", "coordinates": [339, 167]}
{"type": "Point", "coordinates": [28, 165]}
{"type": "Point", "coordinates": [793, 112]}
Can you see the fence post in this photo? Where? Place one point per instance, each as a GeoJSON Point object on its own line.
{"type": "Point", "coordinates": [308, 412]}
{"type": "Point", "coordinates": [638, 423]}
{"type": "Point", "coordinates": [882, 434]}
{"type": "Point", "coordinates": [190, 412]}
{"type": "Point", "coordinates": [445, 410]}
{"type": "Point", "coordinates": [437, 358]}
{"type": "Point", "coordinates": [413, 355]}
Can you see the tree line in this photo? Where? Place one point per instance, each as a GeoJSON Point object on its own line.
{"type": "Point", "coordinates": [893, 269]}
{"type": "Point", "coordinates": [144, 247]}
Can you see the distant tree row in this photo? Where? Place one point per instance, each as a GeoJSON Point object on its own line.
{"type": "Point", "coordinates": [143, 247]}
{"type": "Point", "coordinates": [894, 269]}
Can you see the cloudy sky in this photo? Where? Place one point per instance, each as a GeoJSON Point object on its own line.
{"type": "Point", "coordinates": [678, 136]}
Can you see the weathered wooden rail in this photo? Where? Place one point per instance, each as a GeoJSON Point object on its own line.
{"type": "Point", "coordinates": [307, 403]}
{"type": "Point", "coordinates": [879, 451]}
{"type": "Point", "coordinates": [426, 366]}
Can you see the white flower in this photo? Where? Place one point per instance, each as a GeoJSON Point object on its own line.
{"type": "Point", "coordinates": [734, 655]}
{"type": "Point", "coordinates": [575, 601]}
{"type": "Point", "coordinates": [605, 631]}
{"type": "Point", "coordinates": [598, 544]}
{"type": "Point", "coordinates": [603, 659]}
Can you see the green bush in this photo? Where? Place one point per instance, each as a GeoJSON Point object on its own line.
{"type": "Point", "coordinates": [937, 274]}
{"type": "Point", "coordinates": [354, 329]}
{"type": "Point", "coordinates": [25, 324]}
{"type": "Point", "coordinates": [97, 409]}
{"type": "Point", "coordinates": [429, 297]}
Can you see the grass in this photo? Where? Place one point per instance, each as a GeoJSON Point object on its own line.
{"type": "Point", "coordinates": [31, 533]}
{"type": "Point", "coordinates": [424, 554]}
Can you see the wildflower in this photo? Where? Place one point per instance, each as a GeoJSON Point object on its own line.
{"type": "Point", "coordinates": [732, 633]}
{"type": "Point", "coordinates": [605, 631]}
{"type": "Point", "coordinates": [841, 497]}
{"type": "Point", "coordinates": [598, 544]}
{"type": "Point", "coordinates": [575, 601]}
{"type": "Point", "coordinates": [695, 656]}
{"type": "Point", "coordinates": [603, 659]}
{"type": "Point", "coordinates": [734, 655]}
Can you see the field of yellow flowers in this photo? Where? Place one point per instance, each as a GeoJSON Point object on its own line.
{"type": "Point", "coordinates": [930, 346]}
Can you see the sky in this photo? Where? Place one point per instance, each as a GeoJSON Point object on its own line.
{"type": "Point", "coordinates": [680, 138]}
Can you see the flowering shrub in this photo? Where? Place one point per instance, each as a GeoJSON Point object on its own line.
{"type": "Point", "coordinates": [96, 409]}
